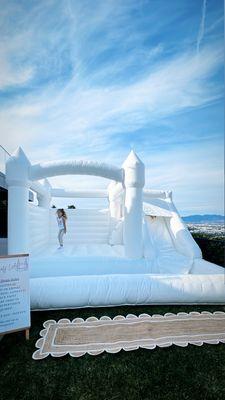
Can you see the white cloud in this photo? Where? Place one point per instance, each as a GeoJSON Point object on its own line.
{"type": "Point", "coordinates": [202, 26]}
{"type": "Point", "coordinates": [12, 75]}
{"type": "Point", "coordinates": [83, 114]}
{"type": "Point", "coordinates": [83, 117]}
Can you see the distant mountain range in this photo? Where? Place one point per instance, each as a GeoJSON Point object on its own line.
{"type": "Point", "coordinates": [205, 219]}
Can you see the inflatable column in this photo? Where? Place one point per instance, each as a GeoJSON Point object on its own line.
{"type": "Point", "coordinates": [44, 200]}
{"type": "Point", "coordinates": [112, 203]}
{"type": "Point", "coordinates": [115, 191]}
{"type": "Point", "coordinates": [134, 180]}
{"type": "Point", "coordinates": [17, 175]}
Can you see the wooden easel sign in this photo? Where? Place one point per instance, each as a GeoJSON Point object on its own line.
{"type": "Point", "coordinates": [14, 294]}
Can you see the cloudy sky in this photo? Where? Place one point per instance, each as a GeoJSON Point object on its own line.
{"type": "Point", "coordinates": [91, 79]}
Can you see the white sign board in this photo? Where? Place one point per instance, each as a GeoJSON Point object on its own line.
{"type": "Point", "coordinates": [14, 293]}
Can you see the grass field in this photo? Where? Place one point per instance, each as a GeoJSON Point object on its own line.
{"type": "Point", "coordinates": [172, 373]}
{"type": "Point", "coordinates": [213, 248]}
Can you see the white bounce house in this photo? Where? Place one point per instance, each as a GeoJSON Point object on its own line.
{"type": "Point", "coordinates": [137, 251]}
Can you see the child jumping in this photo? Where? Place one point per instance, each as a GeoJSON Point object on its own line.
{"type": "Point", "coordinates": [61, 219]}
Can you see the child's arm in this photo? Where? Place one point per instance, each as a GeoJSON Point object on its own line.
{"type": "Point", "coordinates": [64, 223]}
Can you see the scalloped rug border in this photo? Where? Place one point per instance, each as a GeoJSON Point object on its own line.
{"type": "Point", "coordinates": [151, 343]}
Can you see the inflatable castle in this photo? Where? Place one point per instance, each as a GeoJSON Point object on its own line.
{"type": "Point", "coordinates": [137, 251]}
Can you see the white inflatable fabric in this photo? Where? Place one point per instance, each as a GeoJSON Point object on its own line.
{"type": "Point", "coordinates": [17, 179]}
{"type": "Point", "coordinates": [116, 197]}
{"type": "Point", "coordinates": [116, 236]}
{"type": "Point", "coordinates": [19, 173]}
{"type": "Point", "coordinates": [70, 167]}
{"type": "Point", "coordinates": [39, 227]}
{"type": "Point", "coordinates": [127, 254]}
{"type": "Point", "coordinates": [105, 277]}
{"type": "Point", "coordinates": [125, 289]}
{"type": "Point", "coordinates": [182, 238]}
{"type": "Point", "coordinates": [160, 249]}
{"type": "Point", "coordinates": [134, 180]}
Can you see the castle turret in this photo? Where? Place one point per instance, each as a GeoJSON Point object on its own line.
{"type": "Point", "coordinates": [17, 179]}
{"type": "Point", "coordinates": [134, 180]}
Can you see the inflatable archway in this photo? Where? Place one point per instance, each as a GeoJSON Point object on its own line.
{"type": "Point", "coordinates": [49, 169]}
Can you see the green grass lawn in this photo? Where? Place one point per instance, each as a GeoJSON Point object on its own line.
{"type": "Point", "coordinates": [172, 373]}
{"type": "Point", "coordinates": [163, 373]}
{"type": "Point", "coordinates": [213, 248]}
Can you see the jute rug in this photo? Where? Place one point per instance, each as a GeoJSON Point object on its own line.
{"type": "Point", "coordinates": [93, 336]}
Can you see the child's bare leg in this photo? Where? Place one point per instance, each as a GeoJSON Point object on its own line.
{"type": "Point", "coordinates": [60, 237]}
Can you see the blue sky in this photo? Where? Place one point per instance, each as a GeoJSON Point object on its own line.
{"type": "Point", "coordinates": [93, 79]}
